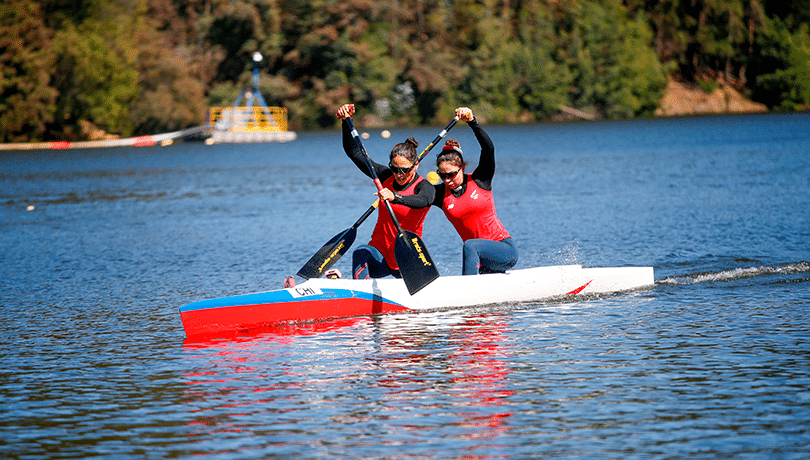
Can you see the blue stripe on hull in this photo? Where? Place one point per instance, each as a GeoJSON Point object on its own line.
{"type": "Point", "coordinates": [283, 296]}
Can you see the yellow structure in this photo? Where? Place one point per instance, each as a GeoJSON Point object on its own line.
{"type": "Point", "coordinates": [248, 119]}
{"type": "Point", "coordinates": [252, 122]}
{"type": "Point", "coordinates": [248, 124]}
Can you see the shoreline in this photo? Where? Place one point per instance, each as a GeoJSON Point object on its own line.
{"type": "Point", "coordinates": [679, 100]}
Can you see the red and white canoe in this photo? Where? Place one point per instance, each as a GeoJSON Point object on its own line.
{"type": "Point", "coordinates": [322, 298]}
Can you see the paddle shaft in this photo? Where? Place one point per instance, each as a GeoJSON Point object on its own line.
{"type": "Point", "coordinates": [418, 159]}
{"type": "Point", "coordinates": [372, 171]}
{"type": "Point", "coordinates": [437, 139]}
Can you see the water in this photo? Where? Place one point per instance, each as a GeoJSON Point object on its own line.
{"type": "Point", "coordinates": [711, 362]}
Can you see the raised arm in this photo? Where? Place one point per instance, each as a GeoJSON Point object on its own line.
{"type": "Point", "coordinates": [486, 164]}
{"type": "Point", "coordinates": [353, 151]}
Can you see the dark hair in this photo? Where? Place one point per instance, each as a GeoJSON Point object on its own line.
{"type": "Point", "coordinates": [406, 149]}
{"type": "Point", "coordinates": [451, 153]}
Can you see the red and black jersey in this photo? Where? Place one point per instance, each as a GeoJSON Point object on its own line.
{"type": "Point", "coordinates": [384, 235]}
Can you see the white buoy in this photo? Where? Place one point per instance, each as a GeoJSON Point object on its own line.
{"type": "Point", "coordinates": [30, 207]}
{"type": "Point", "coordinates": [385, 134]}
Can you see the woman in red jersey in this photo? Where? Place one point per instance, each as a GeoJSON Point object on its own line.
{"type": "Point", "coordinates": [467, 202]}
{"type": "Point", "coordinates": [410, 196]}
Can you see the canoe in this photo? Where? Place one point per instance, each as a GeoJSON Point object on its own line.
{"type": "Point", "coordinates": [322, 298]}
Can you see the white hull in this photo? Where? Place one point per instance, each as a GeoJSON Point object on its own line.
{"type": "Point", "coordinates": [514, 286]}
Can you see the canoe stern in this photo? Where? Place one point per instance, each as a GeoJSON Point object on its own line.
{"type": "Point", "coordinates": [303, 303]}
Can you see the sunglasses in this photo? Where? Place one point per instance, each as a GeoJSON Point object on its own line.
{"type": "Point", "coordinates": [398, 170]}
{"type": "Point", "coordinates": [448, 175]}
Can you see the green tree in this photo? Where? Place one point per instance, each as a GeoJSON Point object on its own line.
{"type": "Point", "coordinates": [429, 66]}
{"type": "Point", "coordinates": [793, 12]}
{"type": "Point", "coordinates": [784, 81]}
{"type": "Point", "coordinates": [615, 70]}
{"type": "Point", "coordinates": [235, 27]}
{"type": "Point", "coordinates": [378, 71]}
{"type": "Point", "coordinates": [26, 97]}
{"type": "Point", "coordinates": [95, 77]}
{"type": "Point", "coordinates": [318, 56]}
{"type": "Point", "coordinates": [666, 20]}
{"type": "Point", "coordinates": [139, 66]}
{"type": "Point", "coordinates": [721, 31]}
{"type": "Point", "coordinates": [490, 68]}
{"type": "Point", "coordinates": [57, 13]}
{"type": "Point", "coordinates": [541, 82]}
{"type": "Point", "coordinates": [169, 97]}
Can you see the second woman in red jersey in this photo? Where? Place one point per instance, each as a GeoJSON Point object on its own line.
{"type": "Point", "coordinates": [467, 202]}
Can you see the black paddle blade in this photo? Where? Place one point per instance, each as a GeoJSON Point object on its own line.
{"type": "Point", "coordinates": [415, 265]}
{"type": "Point", "coordinates": [328, 254]}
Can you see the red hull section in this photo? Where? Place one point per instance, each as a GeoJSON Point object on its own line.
{"type": "Point", "coordinates": [239, 318]}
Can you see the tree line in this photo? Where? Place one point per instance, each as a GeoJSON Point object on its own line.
{"type": "Point", "coordinates": [130, 67]}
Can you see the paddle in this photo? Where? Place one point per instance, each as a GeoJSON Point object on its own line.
{"type": "Point", "coordinates": [340, 243]}
{"type": "Point", "coordinates": [334, 248]}
{"type": "Point", "coordinates": [415, 265]}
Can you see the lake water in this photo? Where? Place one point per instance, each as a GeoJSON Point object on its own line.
{"type": "Point", "coordinates": [100, 247]}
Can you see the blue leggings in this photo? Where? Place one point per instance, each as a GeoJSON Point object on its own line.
{"type": "Point", "coordinates": [368, 262]}
{"type": "Point", "coordinates": [488, 256]}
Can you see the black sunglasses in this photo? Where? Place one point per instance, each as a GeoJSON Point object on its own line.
{"type": "Point", "coordinates": [448, 175]}
{"type": "Point", "coordinates": [398, 170]}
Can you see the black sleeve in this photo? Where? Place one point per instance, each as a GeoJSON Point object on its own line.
{"type": "Point", "coordinates": [486, 164]}
{"type": "Point", "coordinates": [438, 192]}
{"type": "Point", "coordinates": [422, 198]}
{"type": "Point", "coordinates": [354, 153]}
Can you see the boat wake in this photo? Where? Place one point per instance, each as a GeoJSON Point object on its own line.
{"type": "Point", "coordinates": [737, 273]}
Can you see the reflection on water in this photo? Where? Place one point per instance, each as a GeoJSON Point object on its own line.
{"type": "Point", "coordinates": [614, 374]}
{"type": "Point", "coordinates": [408, 376]}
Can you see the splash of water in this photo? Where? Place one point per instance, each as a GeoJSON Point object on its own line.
{"type": "Point", "coordinates": [737, 273]}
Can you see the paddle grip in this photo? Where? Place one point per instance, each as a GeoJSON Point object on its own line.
{"type": "Point", "coordinates": [437, 139]}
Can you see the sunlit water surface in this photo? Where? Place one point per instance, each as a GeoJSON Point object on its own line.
{"type": "Point", "coordinates": [711, 362]}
